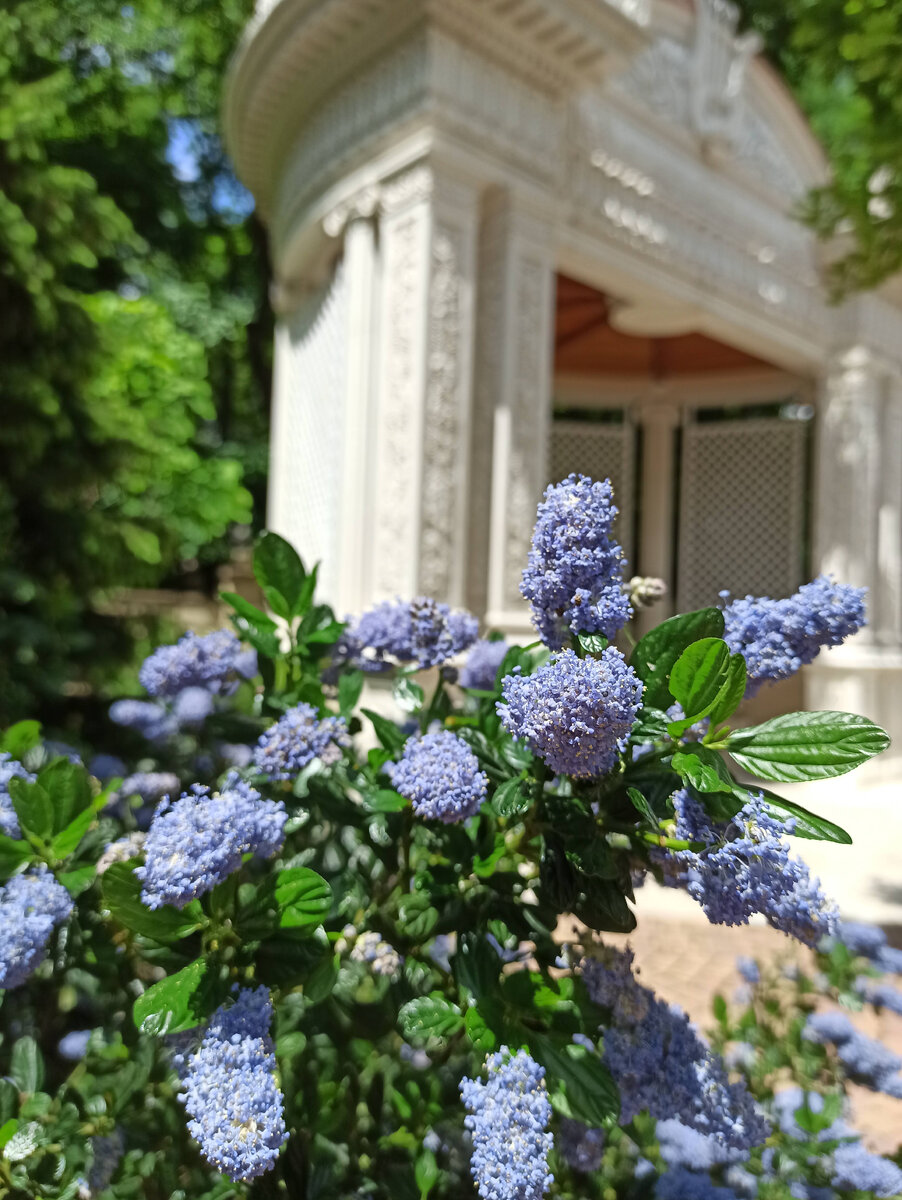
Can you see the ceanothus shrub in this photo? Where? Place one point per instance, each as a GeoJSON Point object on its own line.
{"type": "Point", "coordinates": [288, 946]}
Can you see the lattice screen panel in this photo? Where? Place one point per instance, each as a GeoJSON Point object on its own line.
{"type": "Point", "coordinates": [742, 509]}
{"type": "Point", "coordinates": [601, 451]}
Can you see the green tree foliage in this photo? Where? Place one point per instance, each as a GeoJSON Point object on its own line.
{"type": "Point", "coordinates": [132, 283]}
{"type": "Point", "coordinates": [843, 58]}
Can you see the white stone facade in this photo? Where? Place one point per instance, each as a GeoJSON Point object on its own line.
{"type": "Point", "coordinates": [429, 171]}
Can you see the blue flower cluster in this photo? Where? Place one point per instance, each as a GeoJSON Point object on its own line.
{"type": "Point", "coordinates": [574, 576]}
{"type": "Point", "coordinates": [746, 868]}
{"type": "Point", "coordinates": [31, 907]}
{"type": "Point", "coordinates": [10, 769]}
{"type": "Point", "coordinates": [230, 1091]}
{"type": "Point", "coordinates": [296, 739]}
{"type": "Point", "coordinates": [215, 662]}
{"type": "Point", "coordinates": [787, 1103]}
{"type": "Point", "coordinates": [777, 637]}
{"type": "Point", "coordinates": [150, 785]}
{"type": "Point", "coordinates": [579, 1146]}
{"type": "Point", "coordinates": [152, 720]}
{"type": "Point", "coordinates": [575, 713]}
{"type": "Point", "coordinates": [879, 993]}
{"type": "Point", "coordinates": [439, 774]}
{"type": "Point", "coordinates": [197, 841]}
{"type": "Point", "coordinates": [481, 668]}
{"type": "Point", "coordinates": [660, 1064]}
{"type": "Point", "coordinates": [680, 1184]}
{"type": "Point", "coordinates": [106, 1154]}
{"type": "Point", "coordinates": [865, 1060]}
{"type": "Point", "coordinates": [418, 631]}
{"type": "Point", "coordinates": [507, 1118]}
{"type": "Point", "coordinates": [869, 941]}
{"type": "Point", "coordinates": [857, 1170]}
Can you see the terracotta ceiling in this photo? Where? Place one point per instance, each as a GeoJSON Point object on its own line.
{"type": "Point", "coordinates": [586, 344]}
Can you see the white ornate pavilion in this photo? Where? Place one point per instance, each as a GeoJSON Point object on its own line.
{"type": "Point", "coordinates": [515, 238]}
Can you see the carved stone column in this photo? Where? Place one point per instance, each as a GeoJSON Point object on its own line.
{"type": "Point", "coordinates": [887, 602]}
{"type": "Point", "coordinates": [418, 515]}
{"type": "Point", "coordinates": [657, 505]}
{"type": "Point", "coordinates": [848, 473]}
{"type": "Point", "coordinates": [513, 404]}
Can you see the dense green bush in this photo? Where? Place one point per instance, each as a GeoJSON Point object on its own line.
{"type": "Point", "coordinates": [318, 952]}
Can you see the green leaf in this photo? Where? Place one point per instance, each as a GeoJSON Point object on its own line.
{"type": "Point", "coordinates": [426, 1173]}
{"type": "Point", "coordinates": [174, 1004]}
{"type": "Point", "coordinates": [32, 807]}
{"type": "Point", "coordinates": [703, 769]}
{"type": "Point", "coordinates": [350, 685]}
{"type": "Point", "coordinates": [592, 643]}
{"type": "Point", "coordinates": [122, 896]}
{"type": "Point", "coordinates": [384, 800]}
{"type": "Point", "coordinates": [408, 695]}
{"type": "Point", "coordinates": [303, 897]}
{"type": "Point", "coordinates": [249, 613]}
{"type": "Point", "coordinates": [277, 566]}
{"type": "Point", "coordinates": [731, 693]}
{"type": "Point", "coordinates": [698, 677]}
{"type": "Point", "coordinates": [480, 1033]}
{"type": "Point", "coordinates": [68, 787]}
{"type": "Point", "coordinates": [387, 731]}
{"type": "Point", "coordinates": [807, 745]}
{"type": "Point", "coordinates": [656, 653]}
{"type": "Point", "coordinates": [642, 806]}
{"type": "Point", "coordinates": [67, 840]}
{"type": "Point", "coordinates": [416, 916]}
{"type": "Point", "coordinates": [12, 854]}
{"type": "Point", "coordinates": [26, 1067]}
{"type": "Point", "coordinates": [7, 1129]}
{"type": "Point", "coordinates": [430, 1017]}
{"type": "Point", "coordinates": [579, 1085]}
{"type": "Point", "coordinates": [512, 798]}
{"type": "Point", "coordinates": [808, 824]}
{"type": "Point", "coordinates": [78, 881]}
{"type": "Point", "coordinates": [20, 738]}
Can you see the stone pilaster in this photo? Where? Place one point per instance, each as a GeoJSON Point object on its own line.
{"type": "Point", "coordinates": [513, 403]}
{"type": "Point", "coordinates": [418, 514]}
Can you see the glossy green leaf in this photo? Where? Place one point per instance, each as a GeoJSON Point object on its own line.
{"type": "Point", "coordinates": [642, 806]}
{"type": "Point", "coordinates": [68, 787]}
{"type": "Point", "coordinates": [122, 896]}
{"type": "Point", "coordinates": [13, 852]}
{"type": "Point", "coordinates": [732, 692]}
{"type": "Point", "coordinates": [426, 1173]}
{"type": "Point", "coordinates": [67, 840]}
{"type": "Point", "coordinates": [26, 1066]}
{"type": "Point", "coordinates": [592, 643]}
{"type": "Point", "coordinates": [7, 1129]}
{"type": "Point", "coordinates": [417, 917]}
{"type": "Point", "coordinates": [32, 807]}
{"type": "Point", "coordinates": [20, 738]}
{"type": "Point", "coordinates": [303, 897]}
{"type": "Point", "coordinates": [512, 798]}
{"type": "Point", "coordinates": [278, 566]}
{"type": "Point", "coordinates": [350, 685]}
{"type": "Point", "coordinates": [699, 676]}
{"type": "Point", "coordinates": [480, 1033]}
{"type": "Point", "coordinates": [408, 695]}
{"type": "Point", "coordinates": [174, 1004]}
{"type": "Point", "coordinates": [656, 653]}
{"type": "Point", "coordinates": [430, 1017]}
{"type": "Point", "coordinates": [253, 616]}
{"type": "Point", "coordinates": [579, 1085]}
{"type": "Point", "coordinates": [384, 800]}
{"type": "Point", "coordinates": [387, 731]}
{"type": "Point", "coordinates": [806, 746]}
{"type": "Point", "coordinates": [808, 824]}
{"type": "Point", "coordinates": [702, 768]}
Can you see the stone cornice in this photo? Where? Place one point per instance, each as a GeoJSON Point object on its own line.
{"type": "Point", "coordinates": [299, 51]}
